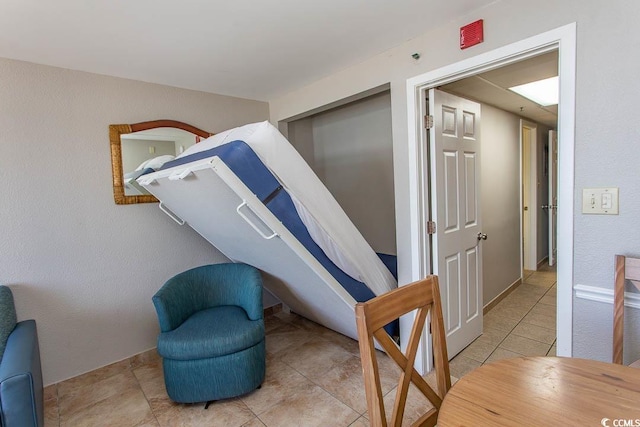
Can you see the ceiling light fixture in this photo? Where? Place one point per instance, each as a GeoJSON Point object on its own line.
{"type": "Point", "coordinates": [544, 92]}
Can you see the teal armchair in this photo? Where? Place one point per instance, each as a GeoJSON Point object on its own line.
{"type": "Point", "coordinates": [211, 332]}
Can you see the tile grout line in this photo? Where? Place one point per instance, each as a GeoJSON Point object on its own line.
{"type": "Point", "coordinates": [153, 413]}
{"type": "Point", "coordinates": [513, 329]}
{"type": "Point", "coordinates": [57, 405]}
{"type": "Point", "coordinates": [360, 414]}
{"type": "Point", "coordinates": [520, 321]}
{"type": "Point", "coordinates": [318, 385]}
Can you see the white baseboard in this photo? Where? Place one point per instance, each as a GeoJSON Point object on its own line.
{"type": "Point", "coordinates": [502, 295]}
{"type": "Point", "coordinates": [542, 262]}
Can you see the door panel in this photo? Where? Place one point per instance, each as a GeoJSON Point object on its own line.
{"type": "Point", "coordinates": [451, 294]}
{"type": "Point", "coordinates": [449, 118]}
{"type": "Point", "coordinates": [472, 274]}
{"type": "Point", "coordinates": [450, 187]}
{"type": "Point", "coordinates": [471, 191]}
{"type": "Point", "coordinates": [469, 125]}
{"type": "Point", "coordinates": [455, 203]}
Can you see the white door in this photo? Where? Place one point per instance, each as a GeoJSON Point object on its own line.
{"type": "Point", "coordinates": [455, 207]}
{"type": "Point", "coordinates": [528, 138]}
{"type": "Point", "coordinates": [553, 196]}
{"type": "Point", "coordinates": [526, 185]}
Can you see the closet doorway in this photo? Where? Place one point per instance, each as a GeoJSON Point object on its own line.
{"type": "Point", "coordinates": [350, 148]}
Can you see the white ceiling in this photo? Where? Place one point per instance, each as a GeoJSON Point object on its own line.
{"type": "Point", "coordinates": [257, 49]}
{"type": "Point", "coordinates": [493, 86]}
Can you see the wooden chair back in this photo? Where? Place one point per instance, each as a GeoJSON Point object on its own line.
{"type": "Point", "coordinates": [371, 317]}
{"type": "Point", "coordinates": [627, 268]}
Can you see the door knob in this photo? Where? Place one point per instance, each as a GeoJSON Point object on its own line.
{"type": "Point", "coordinates": [482, 236]}
{"type": "Point", "coordinates": [546, 207]}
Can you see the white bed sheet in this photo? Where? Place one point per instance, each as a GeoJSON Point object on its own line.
{"type": "Point", "coordinates": [327, 223]}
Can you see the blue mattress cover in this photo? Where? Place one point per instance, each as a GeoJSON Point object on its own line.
{"type": "Point", "coordinates": [246, 165]}
{"type": "Point", "coordinates": [391, 262]}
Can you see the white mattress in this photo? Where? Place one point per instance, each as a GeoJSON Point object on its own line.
{"type": "Point", "coordinates": [327, 223]}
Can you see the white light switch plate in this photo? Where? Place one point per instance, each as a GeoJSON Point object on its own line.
{"type": "Point", "coordinates": [600, 201]}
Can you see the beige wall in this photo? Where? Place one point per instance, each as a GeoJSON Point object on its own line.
{"type": "Point", "coordinates": [300, 134]}
{"type": "Point", "coordinates": [606, 88]}
{"type": "Point", "coordinates": [500, 190]}
{"type": "Point", "coordinates": [80, 265]}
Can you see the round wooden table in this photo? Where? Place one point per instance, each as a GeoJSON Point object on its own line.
{"type": "Point", "coordinates": [544, 391]}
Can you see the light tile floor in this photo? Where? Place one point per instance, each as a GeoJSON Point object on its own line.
{"type": "Point", "coordinates": [313, 374]}
{"type": "Point", "coordinates": [522, 324]}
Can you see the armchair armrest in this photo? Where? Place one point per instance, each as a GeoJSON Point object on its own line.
{"type": "Point", "coordinates": [21, 391]}
{"type": "Point", "coordinates": [175, 302]}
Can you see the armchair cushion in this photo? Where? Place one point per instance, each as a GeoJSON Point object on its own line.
{"type": "Point", "coordinates": [8, 318]}
{"type": "Point", "coordinates": [211, 332]}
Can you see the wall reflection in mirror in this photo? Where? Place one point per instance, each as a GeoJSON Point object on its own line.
{"type": "Point", "coordinates": [145, 147]}
{"type": "Point", "coordinates": [146, 151]}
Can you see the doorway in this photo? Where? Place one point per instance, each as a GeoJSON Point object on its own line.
{"type": "Point", "coordinates": [490, 186]}
{"type": "Point", "coordinates": [562, 39]}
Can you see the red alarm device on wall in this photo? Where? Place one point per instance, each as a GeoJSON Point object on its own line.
{"type": "Point", "coordinates": [472, 34]}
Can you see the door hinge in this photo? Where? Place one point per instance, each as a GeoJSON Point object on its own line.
{"type": "Point", "coordinates": [428, 122]}
{"type": "Point", "coordinates": [431, 227]}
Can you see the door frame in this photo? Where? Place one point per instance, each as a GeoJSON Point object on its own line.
{"type": "Point", "coordinates": [562, 39]}
{"type": "Point", "coordinates": [552, 165]}
{"type": "Point", "coordinates": [532, 245]}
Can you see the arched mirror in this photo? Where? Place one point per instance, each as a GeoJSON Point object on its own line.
{"type": "Point", "coordinates": [141, 147]}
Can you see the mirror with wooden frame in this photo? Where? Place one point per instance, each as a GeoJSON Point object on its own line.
{"type": "Point", "coordinates": [138, 147]}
